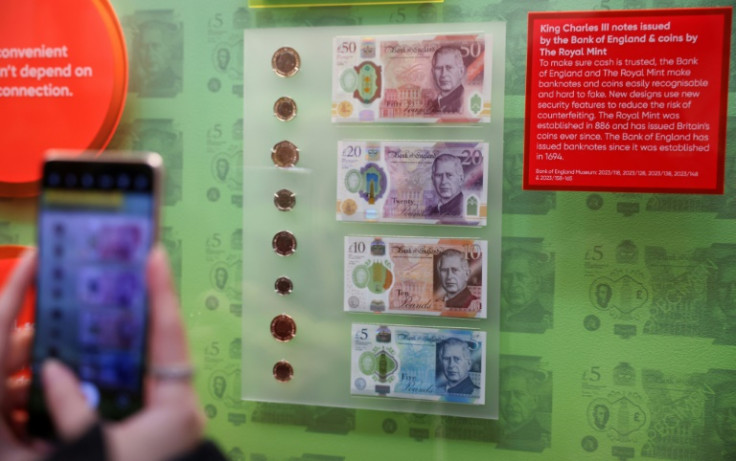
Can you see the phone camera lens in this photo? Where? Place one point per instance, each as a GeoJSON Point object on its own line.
{"type": "Point", "coordinates": [87, 180]}
{"type": "Point", "coordinates": [106, 181]}
{"type": "Point", "coordinates": [54, 179]}
{"type": "Point", "coordinates": [141, 182]}
{"type": "Point", "coordinates": [70, 180]}
{"type": "Point", "coordinates": [123, 181]}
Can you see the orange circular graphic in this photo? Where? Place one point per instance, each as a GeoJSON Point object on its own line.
{"type": "Point", "coordinates": [63, 81]}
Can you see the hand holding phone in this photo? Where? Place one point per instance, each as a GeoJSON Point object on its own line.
{"type": "Point", "coordinates": [77, 416]}
{"type": "Point", "coordinates": [170, 422]}
{"type": "Point", "coordinates": [106, 212]}
{"type": "Point", "coordinates": [97, 222]}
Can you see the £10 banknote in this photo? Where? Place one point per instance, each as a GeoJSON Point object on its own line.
{"type": "Point", "coordinates": [412, 182]}
{"type": "Point", "coordinates": [421, 276]}
{"type": "Point", "coordinates": [412, 78]}
{"type": "Point", "coordinates": [418, 363]}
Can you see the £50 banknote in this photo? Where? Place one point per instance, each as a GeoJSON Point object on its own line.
{"type": "Point", "coordinates": [412, 78]}
{"type": "Point", "coordinates": [418, 363]}
{"type": "Point", "coordinates": [421, 276]}
{"type": "Point", "coordinates": [412, 182]}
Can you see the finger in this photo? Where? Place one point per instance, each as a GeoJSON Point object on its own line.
{"type": "Point", "coordinates": [11, 450]}
{"type": "Point", "coordinates": [16, 396]}
{"type": "Point", "coordinates": [11, 298]}
{"type": "Point", "coordinates": [19, 355]}
{"type": "Point", "coordinates": [14, 405]}
{"type": "Point", "coordinates": [17, 423]}
{"type": "Point", "coordinates": [69, 410]}
{"type": "Point", "coordinates": [167, 337]}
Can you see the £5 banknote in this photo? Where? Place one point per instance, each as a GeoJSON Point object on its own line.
{"type": "Point", "coordinates": [440, 364]}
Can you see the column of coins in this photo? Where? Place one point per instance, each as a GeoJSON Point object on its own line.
{"type": "Point", "coordinates": [283, 326]}
{"type": "Point", "coordinates": [285, 62]}
{"type": "Point", "coordinates": [284, 154]}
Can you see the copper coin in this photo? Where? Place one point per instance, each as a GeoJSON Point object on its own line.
{"type": "Point", "coordinates": [284, 109]}
{"type": "Point", "coordinates": [349, 207]}
{"type": "Point", "coordinates": [284, 200]}
{"type": "Point", "coordinates": [283, 328]}
{"type": "Point", "coordinates": [284, 243]}
{"type": "Point", "coordinates": [283, 286]}
{"type": "Point", "coordinates": [283, 371]}
{"type": "Point", "coordinates": [285, 154]}
{"type": "Point", "coordinates": [286, 62]}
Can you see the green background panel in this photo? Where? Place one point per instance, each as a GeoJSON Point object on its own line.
{"type": "Point", "coordinates": [662, 367]}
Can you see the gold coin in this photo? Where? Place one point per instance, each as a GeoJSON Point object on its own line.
{"type": "Point", "coordinates": [285, 154]}
{"type": "Point", "coordinates": [284, 109]}
{"type": "Point", "coordinates": [283, 286]}
{"type": "Point", "coordinates": [284, 200]}
{"type": "Point", "coordinates": [283, 371]}
{"type": "Point", "coordinates": [283, 328]}
{"type": "Point", "coordinates": [349, 207]}
{"type": "Point", "coordinates": [286, 62]}
{"type": "Point", "coordinates": [284, 243]}
{"type": "Point", "coordinates": [344, 109]}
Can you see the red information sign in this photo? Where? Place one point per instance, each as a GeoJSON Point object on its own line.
{"type": "Point", "coordinates": [627, 100]}
{"type": "Point", "coordinates": [63, 80]}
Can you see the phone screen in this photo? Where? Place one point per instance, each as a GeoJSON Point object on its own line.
{"type": "Point", "coordinates": [95, 229]}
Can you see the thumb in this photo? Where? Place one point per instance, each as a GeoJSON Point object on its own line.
{"type": "Point", "coordinates": [69, 409]}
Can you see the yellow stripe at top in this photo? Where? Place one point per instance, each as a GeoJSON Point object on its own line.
{"type": "Point", "coordinates": [96, 199]}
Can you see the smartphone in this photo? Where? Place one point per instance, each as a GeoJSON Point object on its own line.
{"type": "Point", "coordinates": [97, 221]}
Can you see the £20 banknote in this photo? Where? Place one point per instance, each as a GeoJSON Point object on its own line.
{"type": "Point", "coordinates": [412, 182]}
{"type": "Point", "coordinates": [412, 78]}
{"type": "Point", "coordinates": [420, 276]}
{"type": "Point", "coordinates": [418, 363]}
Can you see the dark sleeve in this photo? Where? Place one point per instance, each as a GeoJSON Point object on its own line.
{"type": "Point", "coordinates": [89, 447]}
